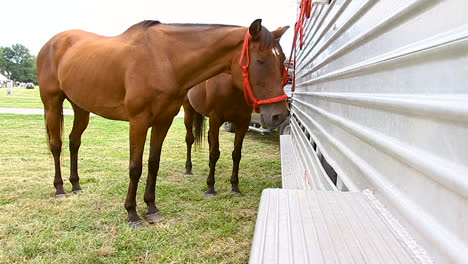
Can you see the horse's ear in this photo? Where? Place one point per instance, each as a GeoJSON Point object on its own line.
{"type": "Point", "coordinates": [255, 28]}
{"type": "Point", "coordinates": [279, 32]}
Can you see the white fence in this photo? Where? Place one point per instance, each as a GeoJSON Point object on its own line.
{"type": "Point", "coordinates": [382, 99]}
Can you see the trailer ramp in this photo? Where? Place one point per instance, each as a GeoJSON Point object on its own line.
{"type": "Point", "coordinates": [307, 226]}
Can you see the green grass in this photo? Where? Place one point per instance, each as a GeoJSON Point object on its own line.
{"type": "Point", "coordinates": [91, 228]}
{"type": "Point", "coordinates": [24, 98]}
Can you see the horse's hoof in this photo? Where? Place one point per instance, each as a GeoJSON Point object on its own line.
{"type": "Point", "coordinates": [153, 218]}
{"type": "Point", "coordinates": [136, 225]}
{"type": "Point", "coordinates": [78, 191]}
{"type": "Point", "coordinates": [60, 196]}
{"type": "Point", "coordinates": [188, 173]}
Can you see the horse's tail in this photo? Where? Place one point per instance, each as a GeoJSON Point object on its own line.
{"type": "Point", "coordinates": [198, 128]}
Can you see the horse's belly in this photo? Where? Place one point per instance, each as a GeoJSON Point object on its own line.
{"type": "Point", "coordinates": [99, 101]}
{"type": "Point", "coordinates": [114, 113]}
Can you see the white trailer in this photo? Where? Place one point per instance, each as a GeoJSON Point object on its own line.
{"type": "Point", "coordinates": [376, 167]}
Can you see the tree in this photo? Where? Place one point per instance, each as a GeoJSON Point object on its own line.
{"type": "Point", "coordinates": [2, 61]}
{"type": "Point", "coordinates": [19, 62]}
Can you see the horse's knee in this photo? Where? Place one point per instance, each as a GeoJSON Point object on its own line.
{"type": "Point", "coordinates": [153, 164]}
{"type": "Point", "coordinates": [135, 171]}
{"type": "Point", "coordinates": [154, 159]}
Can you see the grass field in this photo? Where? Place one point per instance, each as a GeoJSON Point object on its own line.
{"type": "Point", "coordinates": [22, 97]}
{"type": "Point", "coordinates": [91, 227]}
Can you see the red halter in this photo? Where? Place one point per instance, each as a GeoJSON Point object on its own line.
{"type": "Point", "coordinates": [248, 92]}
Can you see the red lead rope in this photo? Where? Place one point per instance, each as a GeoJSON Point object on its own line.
{"type": "Point", "coordinates": [306, 6]}
{"type": "Point", "coordinates": [248, 92]}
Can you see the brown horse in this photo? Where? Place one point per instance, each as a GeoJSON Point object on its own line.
{"type": "Point", "coordinates": [219, 99]}
{"type": "Point", "coordinates": [142, 76]}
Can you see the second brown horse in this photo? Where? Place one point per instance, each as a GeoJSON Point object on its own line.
{"type": "Point", "coordinates": [221, 101]}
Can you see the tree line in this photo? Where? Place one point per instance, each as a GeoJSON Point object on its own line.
{"type": "Point", "coordinates": [18, 61]}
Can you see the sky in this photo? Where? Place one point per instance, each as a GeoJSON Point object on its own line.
{"type": "Point", "coordinates": [33, 22]}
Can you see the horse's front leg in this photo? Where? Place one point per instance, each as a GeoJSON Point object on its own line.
{"type": "Point", "coordinates": [213, 140]}
{"type": "Point", "coordinates": [158, 133]}
{"type": "Point", "coordinates": [241, 130]}
{"type": "Point", "coordinates": [138, 129]}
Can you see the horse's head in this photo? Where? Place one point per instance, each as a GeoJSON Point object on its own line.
{"type": "Point", "coordinates": [261, 73]}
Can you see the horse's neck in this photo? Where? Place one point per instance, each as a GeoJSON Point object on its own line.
{"type": "Point", "coordinates": [203, 53]}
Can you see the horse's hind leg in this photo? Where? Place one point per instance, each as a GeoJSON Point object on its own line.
{"type": "Point", "coordinates": [54, 124]}
{"type": "Point", "coordinates": [80, 123]}
{"type": "Point", "coordinates": [189, 137]}
{"type": "Point", "coordinates": [237, 154]}
{"type": "Point", "coordinates": [213, 140]}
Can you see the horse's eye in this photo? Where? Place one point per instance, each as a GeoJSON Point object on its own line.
{"type": "Point", "coordinates": [260, 61]}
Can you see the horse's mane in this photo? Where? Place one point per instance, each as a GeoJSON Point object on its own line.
{"type": "Point", "coordinates": [144, 25]}
{"type": "Point", "coordinates": [201, 25]}
{"type": "Point", "coordinates": [149, 23]}
{"type": "Point", "coordinates": [267, 40]}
